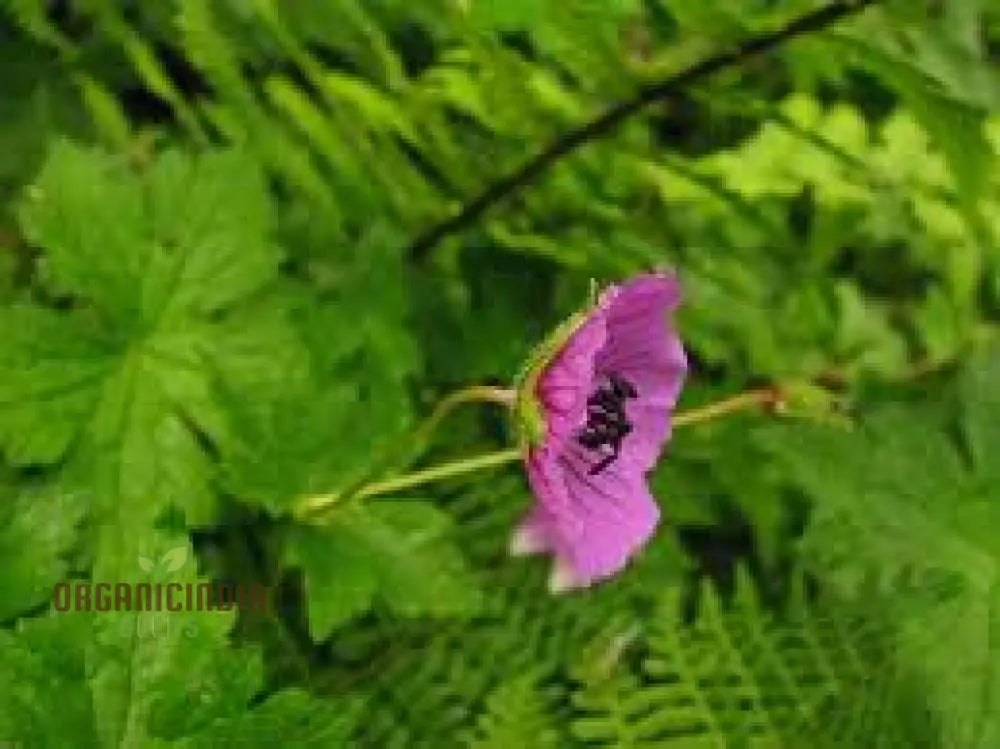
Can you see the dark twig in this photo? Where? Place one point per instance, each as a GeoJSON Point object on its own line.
{"type": "Point", "coordinates": [608, 121]}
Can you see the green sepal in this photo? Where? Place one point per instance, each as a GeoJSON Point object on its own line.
{"type": "Point", "coordinates": [529, 417]}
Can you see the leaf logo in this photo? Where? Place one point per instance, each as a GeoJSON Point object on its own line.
{"type": "Point", "coordinates": [171, 561]}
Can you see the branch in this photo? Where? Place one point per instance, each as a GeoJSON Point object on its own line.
{"type": "Point", "coordinates": [607, 122]}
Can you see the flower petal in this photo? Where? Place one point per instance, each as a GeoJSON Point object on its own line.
{"type": "Point", "coordinates": [650, 422]}
{"type": "Point", "coordinates": [596, 523]}
{"type": "Point", "coordinates": [641, 343]}
{"type": "Point", "coordinates": [643, 347]}
{"type": "Point", "coordinates": [563, 578]}
{"type": "Point", "coordinates": [563, 386]}
{"type": "Point", "coordinates": [533, 535]}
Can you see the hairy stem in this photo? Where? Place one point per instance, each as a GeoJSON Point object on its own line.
{"type": "Point", "coordinates": [609, 120]}
{"type": "Point", "coordinates": [765, 398]}
{"type": "Point", "coordinates": [443, 471]}
{"type": "Point", "coordinates": [472, 394]}
{"type": "Point", "coordinates": [312, 507]}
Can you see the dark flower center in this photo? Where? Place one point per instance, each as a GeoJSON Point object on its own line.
{"type": "Point", "coordinates": [607, 424]}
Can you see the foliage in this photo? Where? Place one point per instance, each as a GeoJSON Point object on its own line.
{"type": "Point", "coordinates": [208, 310]}
{"type": "Point", "coordinates": [147, 678]}
{"type": "Point", "coordinates": [922, 522]}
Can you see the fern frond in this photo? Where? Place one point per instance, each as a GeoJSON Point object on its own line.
{"type": "Point", "coordinates": [737, 676]}
{"type": "Point", "coordinates": [516, 713]}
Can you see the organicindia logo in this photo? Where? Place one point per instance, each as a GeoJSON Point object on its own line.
{"type": "Point", "coordinates": [86, 595]}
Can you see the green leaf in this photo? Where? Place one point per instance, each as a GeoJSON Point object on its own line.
{"type": "Point", "coordinates": [43, 675]}
{"type": "Point", "coordinates": [291, 717]}
{"type": "Point", "coordinates": [133, 678]}
{"type": "Point", "coordinates": [498, 14]}
{"type": "Point", "coordinates": [393, 551]}
{"type": "Point", "coordinates": [899, 504]}
{"type": "Point", "coordinates": [321, 422]}
{"type": "Point", "coordinates": [980, 396]}
{"type": "Point", "coordinates": [516, 713]}
{"type": "Point", "coordinates": [164, 271]}
{"type": "Point", "coordinates": [736, 674]}
{"type": "Point", "coordinates": [38, 529]}
{"type": "Point", "coordinates": [39, 102]}
{"type": "Point", "coordinates": [186, 238]}
{"type": "Point", "coordinates": [51, 370]}
{"type": "Point", "coordinates": [956, 125]}
{"type": "Point", "coordinates": [8, 273]}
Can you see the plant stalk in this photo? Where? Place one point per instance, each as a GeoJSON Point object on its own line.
{"type": "Point", "coordinates": [472, 394]}
{"type": "Point", "coordinates": [317, 505]}
{"type": "Point", "coordinates": [765, 398]}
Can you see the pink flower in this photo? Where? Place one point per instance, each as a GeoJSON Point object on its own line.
{"type": "Point", "coordinates": [595, 411]}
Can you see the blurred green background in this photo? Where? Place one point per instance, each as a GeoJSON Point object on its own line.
{"type": "Point", "coordinates": [210, 307]}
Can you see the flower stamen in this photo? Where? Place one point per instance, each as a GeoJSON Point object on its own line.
{"type": "Point", "coordinates": [607, 424]}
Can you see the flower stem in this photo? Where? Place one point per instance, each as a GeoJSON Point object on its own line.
{"type": "Point", "coordinates": [750, 399]}
{"type": "Point", "coordinates": [316, 505]}
{"type": "Point", "coordinates": [422, 436]}
{"type": "Point", "coordinates": [436, 473]}
{"type": "Point", "coordinates": [481, 393]}
{"type": "Point", "coordinates": [391, 465]}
